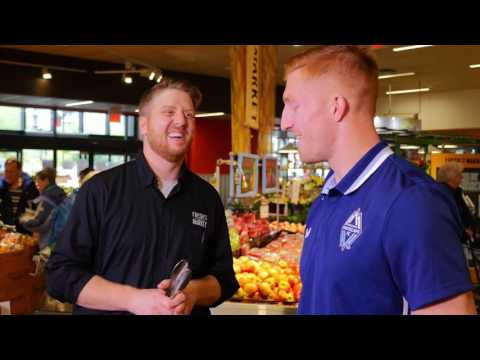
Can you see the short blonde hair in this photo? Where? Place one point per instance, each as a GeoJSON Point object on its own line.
{"type": "Point", "coordinates": [448, 171]}
{"type": "Point", "coordinates": [167, 83]}
{"type": "Point", "coordinates": [354, 61]}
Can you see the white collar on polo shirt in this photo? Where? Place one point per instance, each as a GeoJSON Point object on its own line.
{"type": "Point", "coordinates": [376, 162]}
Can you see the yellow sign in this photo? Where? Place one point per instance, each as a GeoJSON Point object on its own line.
{"type": "Point", "coordinates": [253, 87]}
{"type": "Point", "coordinates": [469, 161]}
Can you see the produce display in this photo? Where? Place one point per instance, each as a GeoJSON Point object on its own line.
{"type": "Point", "coordinates": [269, 273]}
{"type": "Point", "coordinates": [266, 258]}
{"type": "Point", "coordinates": [248, 225]}
{"type": "Point", "coordinates": [287, 248]}
{"type": "Point", "coordinates": [247, 231]}
{"type": "Point", "coordinates": [234, 239]}
{"type": "Point", "coordinates": [287, 226]}
{"type": "Point", "coordinates": [12, 241]}
{"type": "Point", "coordinates": [263, 281]}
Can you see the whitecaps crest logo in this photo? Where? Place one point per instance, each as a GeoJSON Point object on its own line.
{"type": "Point", "coordinates": [351, 230]}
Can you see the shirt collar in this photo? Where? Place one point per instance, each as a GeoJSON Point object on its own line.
{"type": "Point", "coordinates": [360, 173]}
{"type": "Point", "coordinates": [147, 176]}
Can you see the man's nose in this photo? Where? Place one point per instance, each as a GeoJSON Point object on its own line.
{"type": "Point", "coordinates": [285, 122]}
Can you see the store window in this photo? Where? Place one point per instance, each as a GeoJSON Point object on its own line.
{"type": "Point", "coordinates": [10, 118]}
{"type": "Point", "coordinates": [4, 155]}
{"type": "Point", "coordinates": [68, 122]}
{"type": "Point", "coordinates": [106, 161]}
{"type": "Point", "coordinates": [35, 160]}
{"type": "Point", "coordinates": [94, 123]}
{"type": "Point", "coordinates": [38, 120]}
{"type": "Point", "coordinates": [117, 128]}
{"type": "Point", "coordinates": [131, 125]}
{"type": "Point", "coordinates": [69, 164]}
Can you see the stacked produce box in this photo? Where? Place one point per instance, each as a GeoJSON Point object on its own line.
{"type": "Point", "coordinates": [19, 285]}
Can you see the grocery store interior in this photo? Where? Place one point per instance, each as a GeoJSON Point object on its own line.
{"type": "Point", "coordinates": [71, 107]}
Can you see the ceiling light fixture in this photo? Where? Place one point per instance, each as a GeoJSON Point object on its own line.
{"type": "Point", "coordinates": [210, 114]}
{"type": "Point", "coordinates": [410, 47]}
{"type": "Point", "coordinates": [160, 77]}
{"type": "Point", "coordinates": [398, 92]}
{"type": "Point", "coordinates": [46, 74]}
{"type": "Point", "coordinates": [395, 75]}
{"type": "Point", "coordinates": [127, 79]}
{"type": "Point", "coordinates": [152, 75]}
{"type": "Point", "coordinates": [80, 103]}
{"type": "Point", "coordinates": [474, 66]}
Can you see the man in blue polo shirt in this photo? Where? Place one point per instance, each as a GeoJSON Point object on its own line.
{"type": "Point", "coordinates": [383, 237]}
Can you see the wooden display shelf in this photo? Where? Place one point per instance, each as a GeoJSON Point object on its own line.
{"type": "Point", "coordinates": [17, 284]}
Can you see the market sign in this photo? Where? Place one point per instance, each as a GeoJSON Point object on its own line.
{"type": "Point", "coordinates": [253, 87]}
{"type": "Point", "coordinates": [114, 117]}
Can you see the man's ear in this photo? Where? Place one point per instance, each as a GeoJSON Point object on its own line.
{"type": "Point", "coordinates": [143, 122]}
{"type": "Point", "coordinates": [340, 108]}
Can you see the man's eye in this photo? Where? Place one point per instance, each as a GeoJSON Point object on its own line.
{"type": "Point", "coordinates": [190, 115]}
{"type": "Point", "coordinates": [168, 112]}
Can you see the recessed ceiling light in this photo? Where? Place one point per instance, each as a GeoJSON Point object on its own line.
{"type": "Point", "coordinates": [396, 75]}
{"type": "Point", "coordinates": [210, 114]}
{"type": "Point", "coordinates": [398, 92]}
{"type": "Point", "coordinates": [80, 103]}
{"type": "Point", "coordinates": [410, 47]}
{"type": "Point", "coordinates": [46, 74]}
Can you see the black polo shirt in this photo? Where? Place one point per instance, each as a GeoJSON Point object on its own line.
{"type": "Point", "coordinates": [123, 229]}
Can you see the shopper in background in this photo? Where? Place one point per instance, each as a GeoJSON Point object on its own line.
{"type": "Point", "coordinates": [383, 237]}
{"type": "Point", "coordinates": [450, 175]}
{"type": "Point", "coordinates": [83, 176]}
{"type": "Point", "coordinates": [62, 212]}
{"type": "Point", "coordinates": [131, 224]}
{"type": "Point", "coordinates": [17, 192]}
{"type": "Point", "coordinates": [83, 173]}
{"type": "Point", "coordinates": [51, 195]}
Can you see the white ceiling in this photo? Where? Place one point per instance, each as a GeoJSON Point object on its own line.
{"type": "Point", "coordinates": [441, 67]}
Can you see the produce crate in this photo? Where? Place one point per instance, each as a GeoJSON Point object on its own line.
{"type": "Point", "coordinates": [17, 284]}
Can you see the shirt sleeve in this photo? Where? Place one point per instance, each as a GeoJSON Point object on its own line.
{"type": "Point", "coordinates": [220, 255]}
{"type": "Point", "coordinates": [70, 266]}
{"type": "Point", "coordinates": [422, 245]}
{"type": "Point", "coordinates": [38, 222]}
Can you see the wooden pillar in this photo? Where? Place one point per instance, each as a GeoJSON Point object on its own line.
{"type": "Point", "coordinates": [267, 103]}
{"type": "Point", "coordinates": [240, 133]}
{"type": "Point", "coordinates": [262, 96]}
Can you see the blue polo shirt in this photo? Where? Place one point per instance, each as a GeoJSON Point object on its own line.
{"type": "Point", "coordinates": [384, 240]}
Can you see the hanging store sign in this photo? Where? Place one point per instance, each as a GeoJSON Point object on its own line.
{"type": "Point", "coordinates": [114, 117]}
{"type": "Point", "coordinates": [253, 87]}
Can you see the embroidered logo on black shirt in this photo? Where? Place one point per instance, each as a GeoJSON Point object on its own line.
{"type": "Point", "coordinates": [199, 219]}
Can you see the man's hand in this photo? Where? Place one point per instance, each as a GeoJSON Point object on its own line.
{"type": "Point", "coordinates": [185, 308]}
{"type": "Point", "coordinates": [156, 302]}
